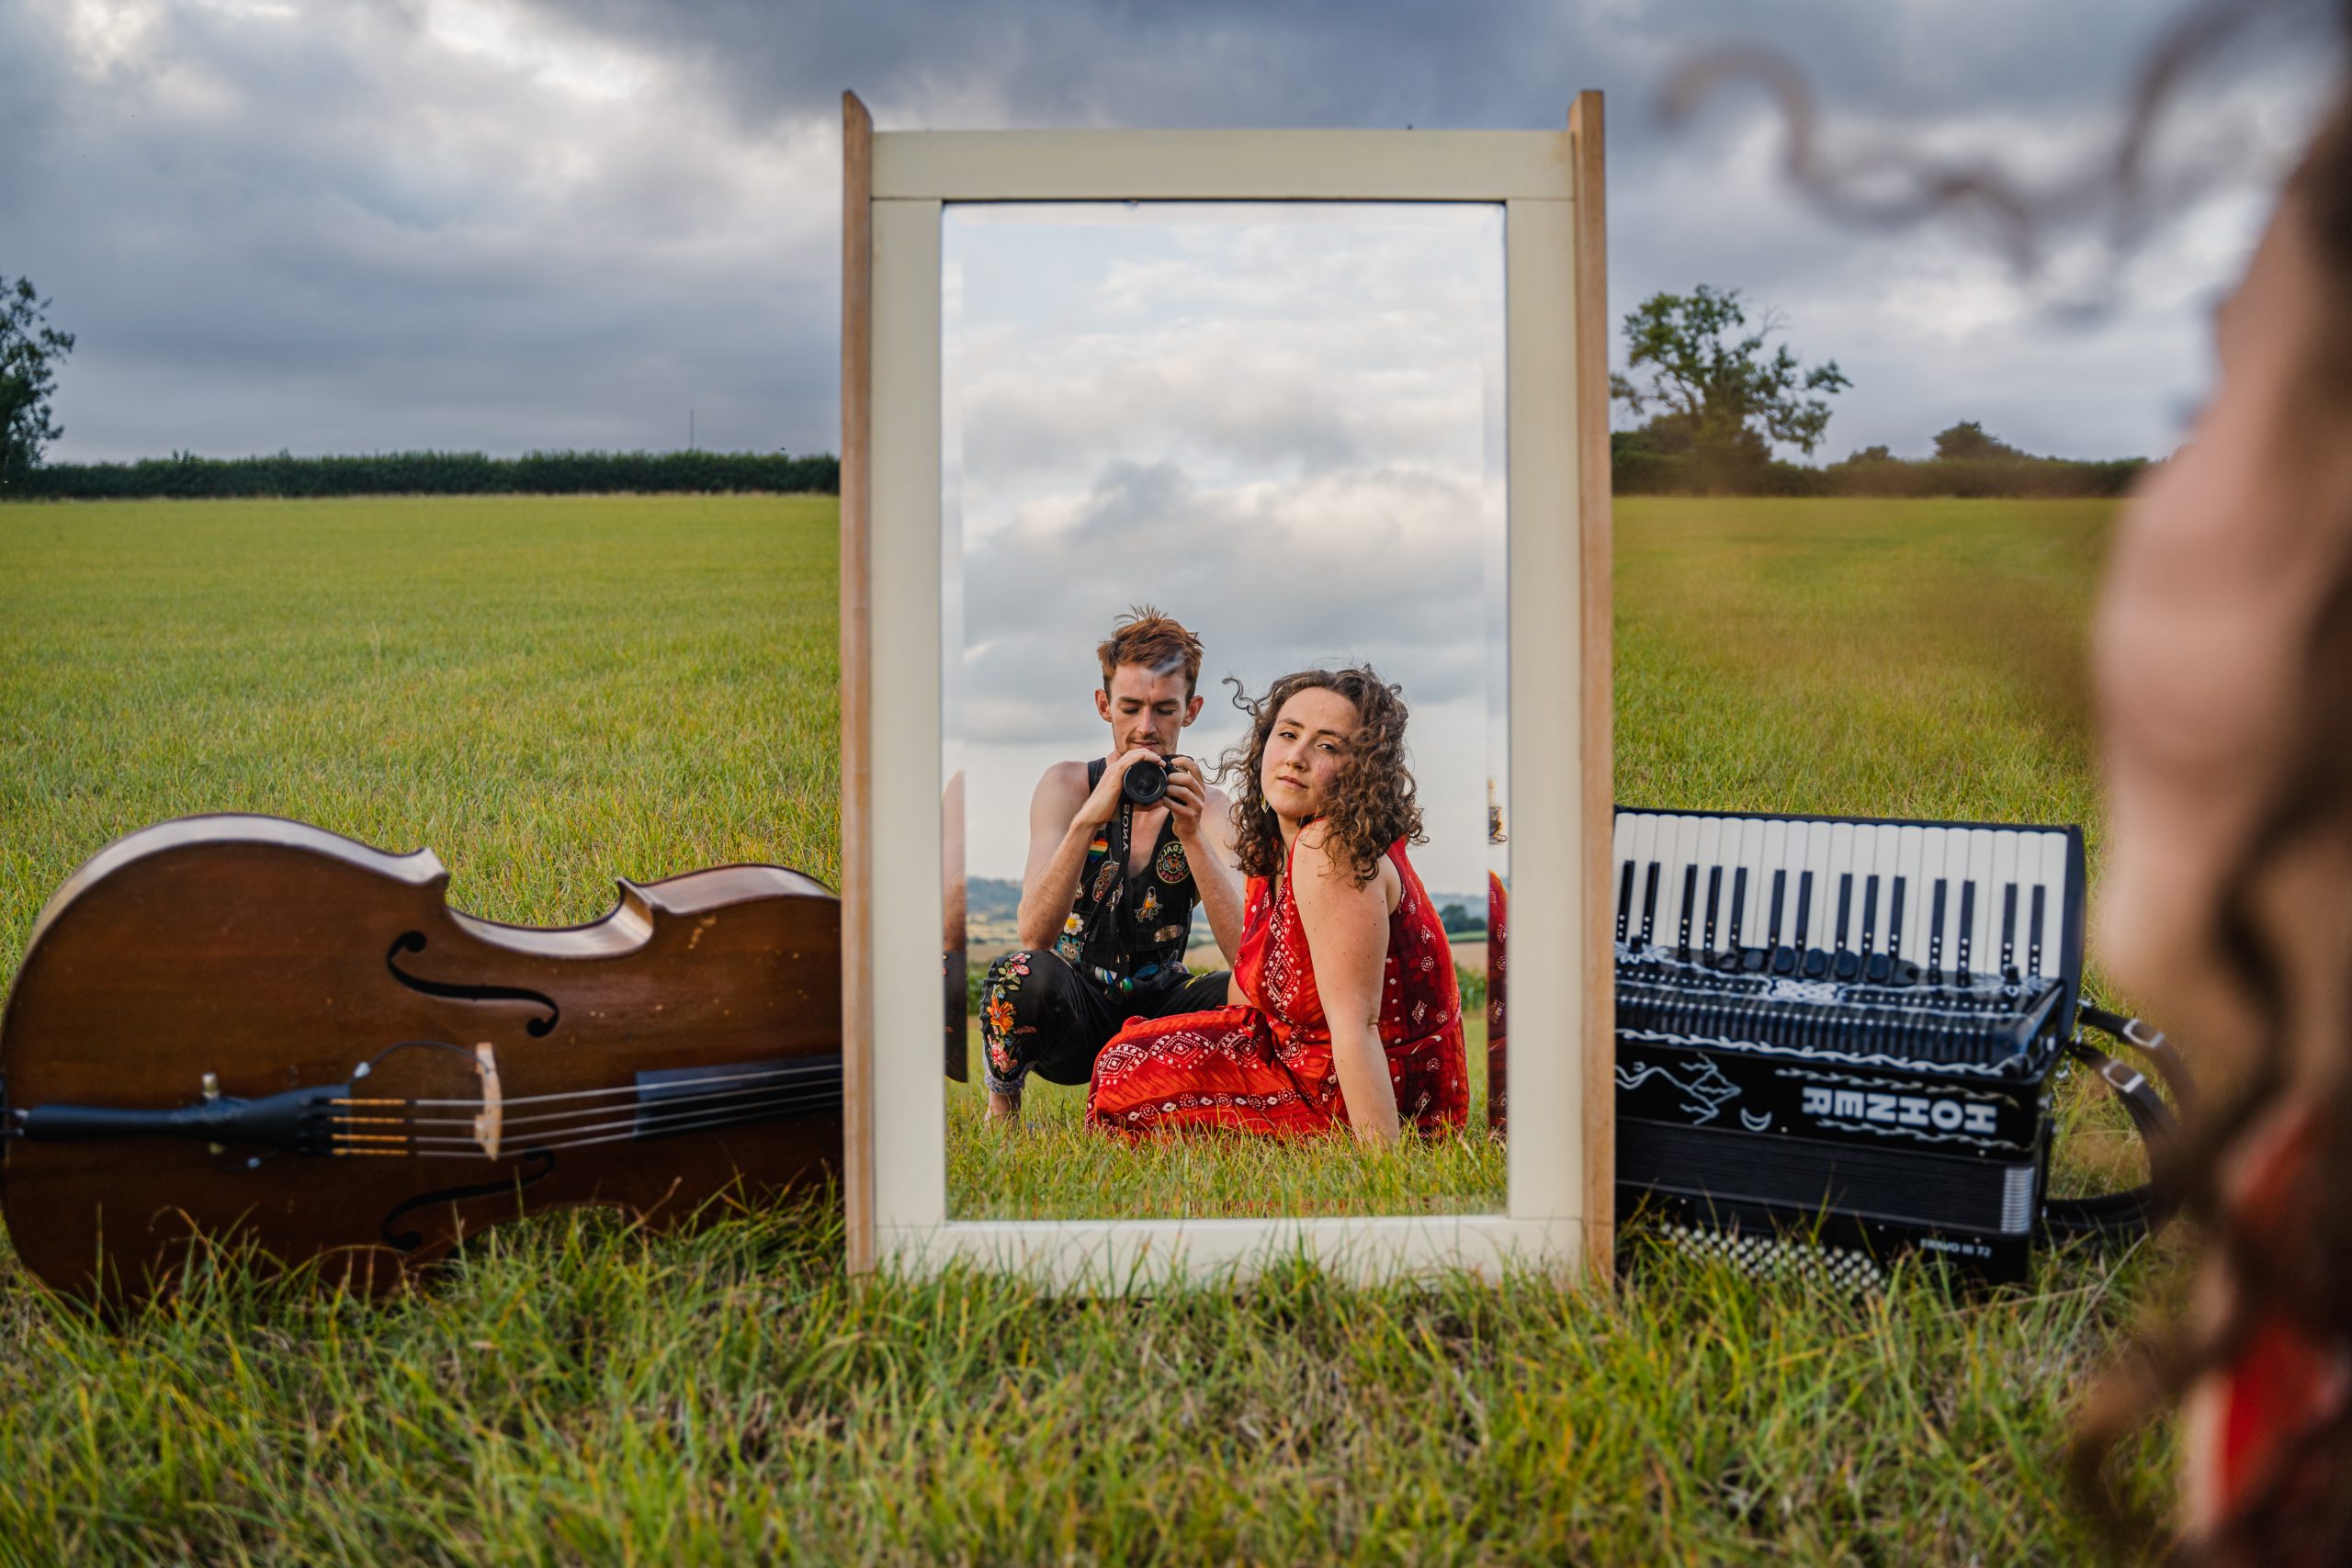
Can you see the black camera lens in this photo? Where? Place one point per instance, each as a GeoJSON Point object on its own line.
{"type": "Point", "coordinates": [1145, 783]}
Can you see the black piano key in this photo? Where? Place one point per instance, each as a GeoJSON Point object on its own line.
{"type": "Point", "coordinates": [1650, 904]}
{"type": "Point", "coordinates": [1894, 915]}
{"type": "Point", "coordinates": [1936, 936]}
{"type": "Point", "coordinates": [1738, 911]}
{"type": "Point", "coordinates": [1870, 910]}
{"type": "Point", "coordinates": [2009, 932]}
{"type": "Point", "coordinates": [1845, 965]}
{"type": "Point", "coordinates": [1804, 908]}
{"type": "Point", "coordinates": [1624, 898]}
{"type": "Point", "coordinates": [2033, 953]}
{"type": "Point", "coordinates": [1690, 897]}
{"type": "Point", "coordinates": [1967, 927]}
{"type": "Point", "coordinates": [1714, 898]}
{"type": "Point", "coordinates": [1784, 957]}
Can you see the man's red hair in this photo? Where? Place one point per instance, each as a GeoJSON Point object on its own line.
{"type": "Point", "coordinates": [1143, 636]}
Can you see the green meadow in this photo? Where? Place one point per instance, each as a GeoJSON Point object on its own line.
{"type": "Point", "coordinates": [552, 693]}
{"type": "Point", "coordinates": [1054, 1167]}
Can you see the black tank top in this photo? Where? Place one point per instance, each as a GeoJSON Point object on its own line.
{"type": "Point", "coordinates": [1129, 931]}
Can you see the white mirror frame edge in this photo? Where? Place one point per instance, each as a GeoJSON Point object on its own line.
{"type": "Point", "coordinates": [1559, 1216]}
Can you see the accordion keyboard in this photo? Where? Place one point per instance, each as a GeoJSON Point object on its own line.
{"type": "Point", "coordinates": [1950, 945]}
{"type": "Point", "coordinates": [1842, 899]}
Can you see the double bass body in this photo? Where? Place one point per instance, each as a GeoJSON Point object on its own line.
{"type": "Point", "coordinates": [244, 1029]}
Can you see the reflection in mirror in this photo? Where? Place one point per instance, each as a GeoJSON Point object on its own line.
{"type": "Point", "coordinates": [1280, 427]}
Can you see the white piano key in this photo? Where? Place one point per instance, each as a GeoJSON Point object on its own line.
{"type": "Point", "coordinates": [1661, 847]}
{"type": "Point", "coordinates": [1955, 876]}
{"type": "Point", "coordinates": [1621, 889]}
{"type": "Point", "coordinates": [1910, 850]}
{"type": "Point", "coordinates": [1824, 912]}
{"type": "Point", "coordinates": [1796, 908]}
{"type": "Point", "coordinates": [1709, 857]}
{"type": "Point", "coordinates": [2011, 910]}
{"type": "Point", "coordinates": [1845, 888]}
{"type": "Point", "coordinates": [1816, 861]}
{"type": "Point", "coordinates": [1866, 848]}
{"type": "Point", "coordinates": [1677, 841]}
{"type": "Point", "coordinates": [1983, 949]}
{"type": "Point", "coordinates": [2051, 877]}
{"type": "Point", "coordinates": [1886, 847]}
{"type": "Point", "coordinates": [1750, 859]}
{"type": "Point", "coordinates": [1645, 856]}
{"type": "Point", "coordinates": [1934, 945]}
{"type": "Point", "coordinates": [1774, 858]}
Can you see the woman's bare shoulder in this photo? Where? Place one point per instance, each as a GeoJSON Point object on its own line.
{"type": "Point", "coordinates": [1333, 876]}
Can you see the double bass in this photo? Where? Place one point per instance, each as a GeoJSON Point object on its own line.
{"type": "Point", "coordinates": [244, 1030]}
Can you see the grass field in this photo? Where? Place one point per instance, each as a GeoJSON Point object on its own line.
{"type": "Point", "coordinates": [1053, 1168]}
{"type": "Point", "coordinates": [550, 693]}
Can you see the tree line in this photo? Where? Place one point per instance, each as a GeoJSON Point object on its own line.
{"type": "Point", "coordinates": [1638, 468]}
{"type": "Point", "coordinates": [1718, 394]}
{"type": "Point", "coordinates": [185, 476]}
{"type": "Point", "coordinates": [30, 351]}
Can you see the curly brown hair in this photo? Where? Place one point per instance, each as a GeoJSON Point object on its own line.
{"type": "Point", "coordinates": [1373, 800]}
{"type": "Point", "coordinates": [2299, 1273]}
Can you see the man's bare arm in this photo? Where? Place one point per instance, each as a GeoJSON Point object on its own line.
{"type": "Point", "coordinates": [1215, 875]}
{"type": "Point", "coordinates": [1058, 843]}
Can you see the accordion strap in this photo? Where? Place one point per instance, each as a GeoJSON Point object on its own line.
{"type": "Point", "coordinates": [2133, 1211]}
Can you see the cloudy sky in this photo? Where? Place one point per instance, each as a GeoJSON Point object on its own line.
{"type": "Point", "coordinates": [504, 224]}
{"type": "Point", "coordinates": [1281, 423]}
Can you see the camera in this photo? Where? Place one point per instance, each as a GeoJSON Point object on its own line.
{"type": "Point", "coordinates": [1145, 784]}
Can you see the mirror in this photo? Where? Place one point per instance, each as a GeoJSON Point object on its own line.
{"type": "Point", "coordinates": [1282, 426]}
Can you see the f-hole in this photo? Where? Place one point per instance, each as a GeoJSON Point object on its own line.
{"type": "Point", "coordinates": [414, 942]}
{"type": "Point", "coordinates": [535, 1166]}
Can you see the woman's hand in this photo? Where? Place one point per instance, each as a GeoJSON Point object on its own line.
{"type": "Point", "coordinates": [1347, 941]}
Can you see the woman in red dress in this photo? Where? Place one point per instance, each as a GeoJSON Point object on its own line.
{"type": "Point", "coordinates": [1349, 1014]}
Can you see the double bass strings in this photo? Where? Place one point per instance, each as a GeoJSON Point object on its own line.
{"type": "Point", "coordinates": [666, 1100]}
{"type": "Point", "coordinates": [735, 1106]}
{"type": "Point", "coordinates": [650, 1116]}
{"type": "Point", "coordinates": [684, 1124]}
{"type": "Point", "coordinates": [811, 1071]}
{"type": "Point", "coordinates": [467, 1148]}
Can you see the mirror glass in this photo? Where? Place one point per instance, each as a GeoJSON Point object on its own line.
{"type": "Point", "coordinates": [1280, 426]}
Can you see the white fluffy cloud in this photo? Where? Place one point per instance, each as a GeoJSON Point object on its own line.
{"type": "Point", "coordinates": [1276, 424]}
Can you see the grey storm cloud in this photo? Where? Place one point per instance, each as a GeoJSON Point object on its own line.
{"type": "Point", "coordinates": [504, 225]}
{"type": "Point", "coordinates": [1379, 565]}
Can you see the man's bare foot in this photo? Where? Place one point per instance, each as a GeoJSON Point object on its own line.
{"type": "Point", "coordinates": [1004, 1109]}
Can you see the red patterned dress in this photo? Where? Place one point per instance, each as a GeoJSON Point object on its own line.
{"type": "Point", "coordinates": [1266, 1068]}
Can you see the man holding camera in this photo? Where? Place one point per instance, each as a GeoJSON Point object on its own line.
{"type": "Point", "coordinates": [1120, 851]}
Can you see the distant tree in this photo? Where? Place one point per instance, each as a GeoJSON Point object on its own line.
{"type": "Point", "coordinates": [1720, 397]}
{"type": "Point", "coordinates": [29, 350]}
{"type": "Point", "coordinates": [1968, 439]}
{"type": "Point", "coordinates": [1455, 917]}
{"type": "Point", "coordinates": [1872, 455]}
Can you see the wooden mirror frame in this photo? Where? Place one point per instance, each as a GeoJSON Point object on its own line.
{"type": "Point", "coordinates": [1561, 1162]}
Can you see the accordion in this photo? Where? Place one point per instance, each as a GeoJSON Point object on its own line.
{"type": "Point", "coordinates": [1836, 1037]}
